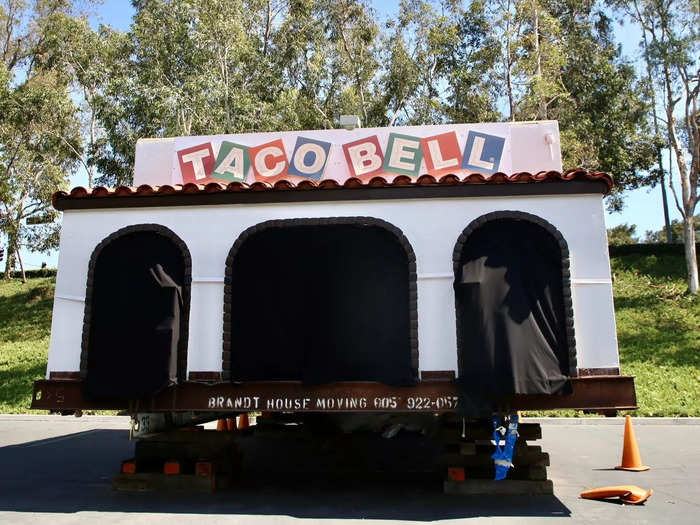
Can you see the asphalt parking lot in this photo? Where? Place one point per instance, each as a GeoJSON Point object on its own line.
{"type": "Point", "coordinates": [59, 470]}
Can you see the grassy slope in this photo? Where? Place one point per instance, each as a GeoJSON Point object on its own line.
{"type": "Point", "coordinates": [25, 324]}
{"type": "Point", "coordinates": [658, 332]}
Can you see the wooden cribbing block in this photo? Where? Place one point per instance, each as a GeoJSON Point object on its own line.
{"type": "Point", "coordinates": [519, 473]}
{"type": "Point", "coordinates": [526, 431]}
{"type": "Point", "coordinates": [521, 447]}
{"type": "Point", "coordinates": [503, 487]}
{"type": "Point", "coordinates": [182, 436]}
{"type": "Point", "coordinates": [486, 447]}
{"type": "Point", "coordinates": [204, 469]}
{"type": "Point", "coordinates": [162, 482]}
{"type": "Point", "coordinates": [149, 450]}
{"type": "Point", "coordinates": [467, 449]}
{"type": "Point", "coordinates": [533, 459]}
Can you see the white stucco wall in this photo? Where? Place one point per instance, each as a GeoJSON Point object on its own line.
{"type": "Point", "coordinates": [432, 226]}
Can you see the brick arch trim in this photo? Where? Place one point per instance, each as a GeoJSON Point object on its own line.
{"type": "Point", "coordinates": [186, 292]}
{"type": "Point", "coordinates": [565, 272]}
{"type": "Point", "coordinates": [324, 221]}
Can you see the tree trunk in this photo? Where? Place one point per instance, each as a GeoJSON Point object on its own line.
{"type": "Point", "coordinates": [691, 256]}
{"type": "Point", "coordinates": [541, 106]}
{"type": "Point", "coordinates": [509, 66]}
{"type": "Point", "coordinates": [664, 197]}
{"type": "Point", "coordinates": [688, 190]}
{"type": "Point", "coordinates": [268, 25]}
{"type": "Point", "coordinates": [509, 89]}
{"type": "Point", "coordinates": [8, 265]}
{"type": "Point", "coordinates": [21, 266]}
{"type": "Point", "coordinates": [664, 200]}
{"type": "Point", "coordinates": [91, 170]}
{"type": "Point", "coordinates": [11, 241]}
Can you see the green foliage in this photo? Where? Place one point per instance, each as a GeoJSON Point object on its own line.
{"type": "Point", "coordinates": [205, 67]}
{"type": "Point", "coordinates": [90, 60]}
{"type": "Point", "coordinates": [469, 58]}
{"type": "Point", "coordinates": [541, 59]}
{"type": "Point", "coordinates": [622, 234]}
{"type": "Point", "coordinates": [25, 323]}
{"type": "Point", "coordinates": [603, 118]}
{"type": "Point", "coordinates": [621, 250]}
{"type": "Point", "coordinates": [39, 132]}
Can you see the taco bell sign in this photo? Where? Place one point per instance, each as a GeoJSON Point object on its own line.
{"type": "Point", "coordinates": [411, 151]}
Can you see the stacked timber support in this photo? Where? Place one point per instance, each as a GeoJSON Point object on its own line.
{"type": "Point", "coordinates": [189, 460]}
{"type": "Point", "coordinates": [470, 469]}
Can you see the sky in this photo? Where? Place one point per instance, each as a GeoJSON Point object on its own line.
{"type": "Point", "coordinates": [642, 207]}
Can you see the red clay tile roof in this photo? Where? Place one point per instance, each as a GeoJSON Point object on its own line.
{"type": "Point", "coordinates": [146, 190]}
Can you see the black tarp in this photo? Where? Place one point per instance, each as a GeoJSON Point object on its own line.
{"type": "Point", "coordinates": [511, 314]}
{"type": "Point", "coordinates": [319, 304]}
{"type": "Point", "coordinates": [136, 317]}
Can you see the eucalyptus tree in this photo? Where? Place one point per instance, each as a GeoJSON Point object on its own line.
{"type": "Point", "coordinates": [541, 60]}
{"type": "Point", "coordinates": [470, 53]}
{"type": "Point", "coordinates": [558, 60]}
{"type": "Point", "coordinates": [88, 57]}
{"type": "Point", "coordinates": [220, 66]}
{"type": "Point", "coordinates": [328, 53]}
{"type": "Point", "coordinates": [438, 61]}
{"type": "Point", "coordinates": [670, 32]}
{"type": "Point", "coordinates": [185, 68]}
{"type": "Point", "coordinates": [603, 117]}
{"type": "Point", "coordinates": [39, 132]}
{"type": "Point", "coordinates": [353, 33]}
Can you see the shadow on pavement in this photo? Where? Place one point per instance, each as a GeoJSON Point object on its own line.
{"type": "Point", "coordinates": [74, 473]}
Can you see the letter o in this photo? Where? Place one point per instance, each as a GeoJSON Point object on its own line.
{"type": "Point", "coordinates": [300, 155]}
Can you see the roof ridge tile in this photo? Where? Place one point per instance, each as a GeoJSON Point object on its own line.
{"type": "Point", "coordinates": [450, 179]}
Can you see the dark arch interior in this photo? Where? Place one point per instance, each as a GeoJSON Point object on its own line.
{"type": "Point", "coordinates": [319, 304]}
{"type": "Point", "coordinates": [137, 311]}
{"type": "Point", "coordinates": [512, 323]}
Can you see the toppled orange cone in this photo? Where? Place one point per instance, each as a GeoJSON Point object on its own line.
{"type": "Point", "coordinates": [631, 459]}
{"type": "Point", "coordinates": [629, 494]}
{"type": "Point", "coordinates": [636, 496]}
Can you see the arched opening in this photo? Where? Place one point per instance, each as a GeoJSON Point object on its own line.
{"type": "Point", "coordinates": [321, 300]}
{"type": "Point", "coordinates": [136, 313]}
{"type": "Point", "coordinates": [514, 310]}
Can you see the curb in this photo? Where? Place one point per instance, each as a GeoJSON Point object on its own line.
{"type": "Point", "coordinates": [64, 419]}
{"type": "Point", "coordinates": [612, 420]}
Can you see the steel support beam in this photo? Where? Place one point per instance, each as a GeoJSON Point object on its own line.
{"type": "Point", "coordinates": [589, 393]}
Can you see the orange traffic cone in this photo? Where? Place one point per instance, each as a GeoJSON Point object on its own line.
{"type": "Point", "coordinates": [221, 425]}
{"type": "Point", "coordinates": [231, 424]}
{"type": "Point", "coordinates": [630, 452]}
{"type": "Point", "coordinates": [243, 421]}
{"type": "Point", "coordinates": [630, 494]}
